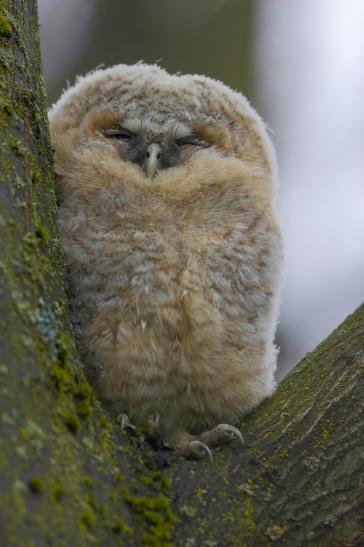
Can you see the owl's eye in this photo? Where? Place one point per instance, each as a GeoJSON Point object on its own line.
{"type": "Point", "coordinates": [120, 134]}
{"type": "Point", "coordinates": [192, 140]}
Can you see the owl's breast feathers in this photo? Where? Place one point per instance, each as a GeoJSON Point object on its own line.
{"type": "Point", "coordinates": [191, 252]}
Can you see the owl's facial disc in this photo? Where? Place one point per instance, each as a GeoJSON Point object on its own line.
{"type": "Point", "coordinates": [154, 151]}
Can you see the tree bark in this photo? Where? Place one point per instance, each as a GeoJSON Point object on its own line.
{"type": "Point", "coordinates": [68, 475]}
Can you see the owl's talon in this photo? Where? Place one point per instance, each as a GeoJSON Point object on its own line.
{"type": "Point", "coordinates": [199, 448]}
{"type": "Point", "coordinates": [220, 434]}
{"type": "Point", "coordinates": [235, 433]}
{"type": "Point", "coordinates": [196, 450]}
{"type": "Point", "coordinates": [125, 422]}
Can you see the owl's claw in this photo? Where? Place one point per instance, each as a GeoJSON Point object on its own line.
{"type": "Point", "coordinates": [234, 431]}
{"type": "Point", "coordinates": [195, 450]}
{"type": "Point", "coordinates": [220, 434]}
{"type": "Point", "coordinates": [125, 422]}
{"type": "Point", "coordinates": [198, 448]}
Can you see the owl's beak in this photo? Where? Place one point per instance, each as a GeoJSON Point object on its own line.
{"type": "Point", "coordinates": [152, 159]}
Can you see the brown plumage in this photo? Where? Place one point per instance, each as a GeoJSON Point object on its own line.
{"type": "Point", "coordinates": [167, 188]}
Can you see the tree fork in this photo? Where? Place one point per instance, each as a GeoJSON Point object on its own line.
{"type": "Point", "coordinates": [68, 475]}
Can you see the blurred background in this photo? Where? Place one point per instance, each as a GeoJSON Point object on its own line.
{"type": "Point", "coordinates": [301, 64]}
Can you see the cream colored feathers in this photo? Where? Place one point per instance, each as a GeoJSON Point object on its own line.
{"type": "Point", "coordinates": [174, 279]}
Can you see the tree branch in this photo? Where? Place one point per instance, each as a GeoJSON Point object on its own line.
{"type": "Point", "coordinates": [299, 481]}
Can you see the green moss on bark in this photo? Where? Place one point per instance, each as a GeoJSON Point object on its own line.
{"type": "Point", "coordinates": [5, 25]}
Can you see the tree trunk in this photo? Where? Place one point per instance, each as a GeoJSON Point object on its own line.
{"type": "Point", "coordinates": [68, 475]}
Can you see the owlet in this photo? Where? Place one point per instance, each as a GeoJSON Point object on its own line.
{"type": "Point", "coordinates": [167, 190]}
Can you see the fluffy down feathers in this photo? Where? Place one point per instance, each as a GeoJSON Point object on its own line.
{"type": "Point", "coordinates": [174, 280]}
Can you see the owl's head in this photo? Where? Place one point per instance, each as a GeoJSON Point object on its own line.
{"type": "Point", "coordinates": [157, 121]}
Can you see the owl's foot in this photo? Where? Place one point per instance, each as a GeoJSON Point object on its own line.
{"type": "Point", "coordinates": [198, 447]}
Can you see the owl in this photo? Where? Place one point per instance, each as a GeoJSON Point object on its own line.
{"type": "Point", "coordinates": [167, 190]}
